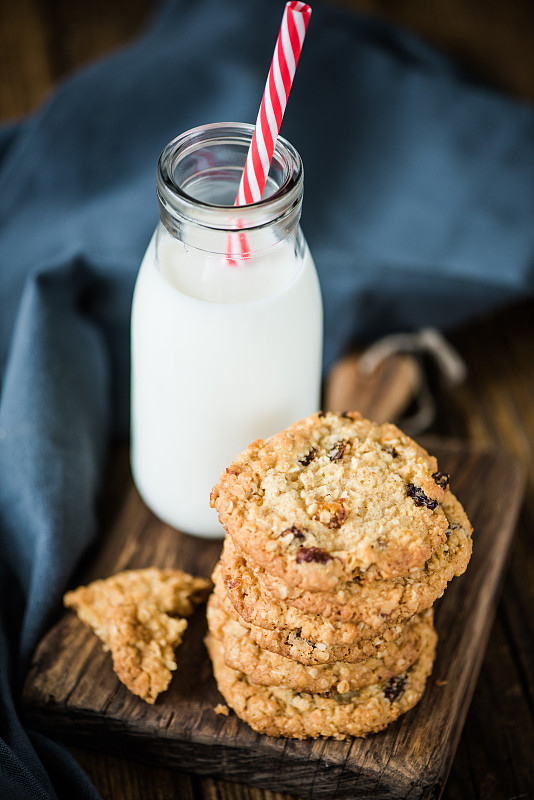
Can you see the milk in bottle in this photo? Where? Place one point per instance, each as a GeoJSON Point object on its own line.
{"type": "Point", "coordinates": [226, 322]}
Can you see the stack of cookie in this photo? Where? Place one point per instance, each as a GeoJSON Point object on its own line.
{"type": "Point", "coordinates": [340, 535]}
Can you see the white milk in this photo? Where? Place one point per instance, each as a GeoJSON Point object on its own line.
{"type": "Point", "coordinates": [221, 355]}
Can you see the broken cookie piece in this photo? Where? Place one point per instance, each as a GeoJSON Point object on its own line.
{"type": "Point", "coordinates": [139, 617]}
{"type": "Point", "coordinates": [142, 644]}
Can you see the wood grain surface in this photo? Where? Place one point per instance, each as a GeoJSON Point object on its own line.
{"type": "Point", "coordinates": [73, 692]}
{"type": "Point", "coordinates": [42, 41]}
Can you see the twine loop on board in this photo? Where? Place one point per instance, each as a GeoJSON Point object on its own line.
{"type": "Point", "coordinates": [427, 341]}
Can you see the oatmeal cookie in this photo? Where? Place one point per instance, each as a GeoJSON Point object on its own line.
{"type": "Point", "coordinates": [283, 712]}
{"type": "Point", "coordinates": [138, 616]}
{"type": "Point", "coordinates": [374, 603]}
{"type": "Point", "coordinates": [334, 497]}
{"type": "Point", "coordinates": [256, 606]}
{"type": "Point", "coordinates": [270, 669]}
{"type": "Point", "coordinates": [292, 645]}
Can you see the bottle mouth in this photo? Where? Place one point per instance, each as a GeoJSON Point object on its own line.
{"type": "Point", "coordinates": [199, 172]}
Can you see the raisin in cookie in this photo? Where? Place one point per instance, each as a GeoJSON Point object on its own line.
{"type": "Point", "coordinates": [270, 669]}
{"type": "Point", "coordinates": [333, 497]}
{"type": "Point", "coordinates": [300, 715]}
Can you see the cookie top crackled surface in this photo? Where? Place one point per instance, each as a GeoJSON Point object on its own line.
{"type": "Point", "coordinates": [332, 497]}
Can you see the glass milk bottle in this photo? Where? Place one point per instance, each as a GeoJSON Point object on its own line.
{"type": "Point", "coordinates": [226, 322]}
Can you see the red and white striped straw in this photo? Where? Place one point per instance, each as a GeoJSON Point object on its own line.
{"type": "Point", "coordinates": [273, 104]}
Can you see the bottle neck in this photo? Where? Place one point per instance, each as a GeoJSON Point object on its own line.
{"type": "Point", "coordinates": [197, 181]}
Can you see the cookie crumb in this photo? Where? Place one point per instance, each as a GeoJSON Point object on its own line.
{"type": "Point", "coordinates": [220, 708]}
{"type": "Point", "coordinates": [440, 683]}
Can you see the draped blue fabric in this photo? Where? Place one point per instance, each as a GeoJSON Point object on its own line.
{"type": "Point", "coordinates": [418, 208]}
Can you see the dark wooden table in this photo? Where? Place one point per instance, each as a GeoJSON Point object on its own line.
{"type": "Point", "coordinates": [40, 42]}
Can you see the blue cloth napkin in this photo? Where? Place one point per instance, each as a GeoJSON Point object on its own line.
{"type": "Point", "coordinates": [418, 207]}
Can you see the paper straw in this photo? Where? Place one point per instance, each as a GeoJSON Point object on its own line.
{"type": "Point", "coordinates": [273, 104]}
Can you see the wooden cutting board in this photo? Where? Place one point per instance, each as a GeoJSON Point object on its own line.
{"type": "Point", "coordinates": [72, 692]}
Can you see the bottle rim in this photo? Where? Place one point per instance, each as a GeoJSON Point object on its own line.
{"type": "Point", "coordinates": [178, 205]}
